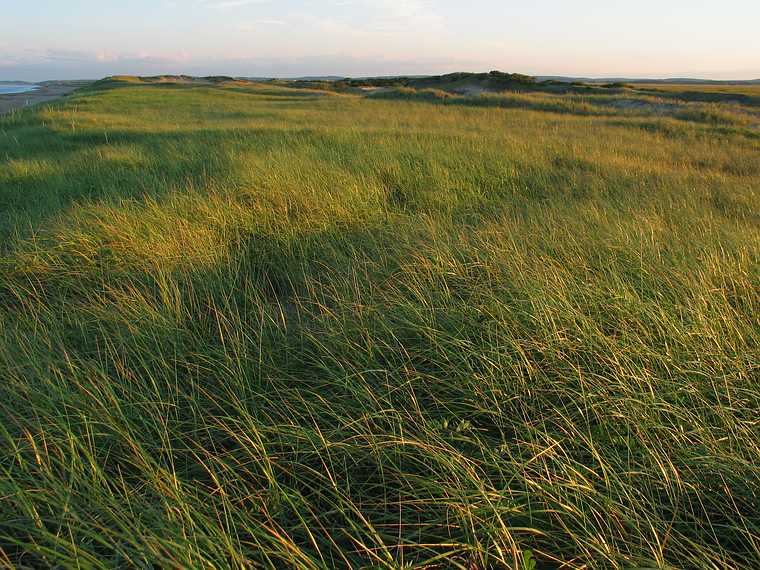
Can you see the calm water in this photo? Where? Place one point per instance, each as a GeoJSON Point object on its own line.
{"type": "Point", "coordinates": [8, 88]}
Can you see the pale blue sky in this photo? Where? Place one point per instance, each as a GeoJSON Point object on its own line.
{"type": "Point", "coordinates": [50, 39]}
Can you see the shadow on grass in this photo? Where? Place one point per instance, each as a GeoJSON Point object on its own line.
{"type": "Point", "coordinates": [46, 171]}
{"type": "Point", "coordinates": [303, 298]}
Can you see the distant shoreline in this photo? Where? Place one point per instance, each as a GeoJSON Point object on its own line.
{"type": "Point", "coordinates": [17, 88]}
{"type": "Point", "coordinates": [41, 93]}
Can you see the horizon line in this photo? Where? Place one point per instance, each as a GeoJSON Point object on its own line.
{"type": "Point", "coordinates": [332, 76]}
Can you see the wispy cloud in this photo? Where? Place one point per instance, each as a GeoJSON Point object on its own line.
{"type": "Point", "coordinates": [421, 17]}
{"type": "Point", "coordinates": [408, 11]}
{"type": "Point", "coordinates": [73, 57]}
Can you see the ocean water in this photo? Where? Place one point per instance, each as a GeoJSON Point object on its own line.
{"type": "Point", "coordinates": [9, 88]}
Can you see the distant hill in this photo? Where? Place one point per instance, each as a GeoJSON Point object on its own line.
{"type": "Point", "coordinates": [462, 81]}
{"type": "Point", "coordinates": [491, 80]}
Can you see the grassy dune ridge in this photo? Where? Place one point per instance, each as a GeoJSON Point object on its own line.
{"type": "Point", "coordinates": [246, 325]}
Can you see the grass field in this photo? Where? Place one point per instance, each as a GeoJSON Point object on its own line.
{"type": "Point", "coordinates": [244, 325]}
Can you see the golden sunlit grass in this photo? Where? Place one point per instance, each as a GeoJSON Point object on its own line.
{"type": "Point", "coordinates": [242, 325]}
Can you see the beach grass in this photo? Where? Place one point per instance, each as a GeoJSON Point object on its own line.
{"type": "Point", "coordinates": [242, 325]}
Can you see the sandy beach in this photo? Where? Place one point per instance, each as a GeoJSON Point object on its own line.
{"type": "Point", "coordinates": [48, 91]}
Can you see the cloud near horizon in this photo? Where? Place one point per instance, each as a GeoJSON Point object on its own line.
{"type": "Point", "coordinates": [95, 66]}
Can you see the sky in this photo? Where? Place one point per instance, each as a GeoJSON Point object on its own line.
{"type": "Point", "coordinates": [87, 39]}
